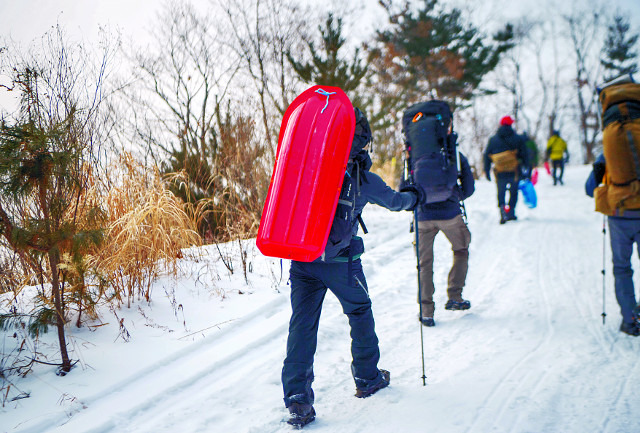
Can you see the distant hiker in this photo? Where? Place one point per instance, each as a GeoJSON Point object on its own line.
{"type": "Point", "coordinates": [532, 152]}
{"type": "Point", "coordinates": [624, 231]}
{"type": "Point", "coordinates": [508, 154]}
{"type": "Point", "coordinates": [615, 183]}
{"type": "Point", "coordinates": [340, 272]}
{"type": "Point", "coordinates": [558, 154]}
{"type": "Point", "coordinates": [428, 129]}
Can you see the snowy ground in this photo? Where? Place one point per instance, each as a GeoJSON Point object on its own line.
{"type": "Point", "coordinates": [532, 354]}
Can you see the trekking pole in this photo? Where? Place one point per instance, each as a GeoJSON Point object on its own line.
{"type": "Point", "coordinates": [415, 227]}
{"type": "Point", "coordinates": [604, 231]}
{"type": "Point", "coordinates": [409, 178]}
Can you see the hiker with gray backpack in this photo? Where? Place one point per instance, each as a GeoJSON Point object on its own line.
{"type": "Point", "coordinates": [434, 163]}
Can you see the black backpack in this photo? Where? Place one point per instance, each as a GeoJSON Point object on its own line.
{"type": "Point", "coordinates": [345, 218]}
{"type": "Point", "coordinates": [433, 157]}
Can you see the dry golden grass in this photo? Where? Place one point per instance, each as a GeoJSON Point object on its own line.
{"type": "Point", "coordinates": [390, 171]}
{"type": "Point", "coordinates": [146, 231]}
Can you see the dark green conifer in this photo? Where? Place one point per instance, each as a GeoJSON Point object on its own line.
{"type": "Point", "coordinates": [619, 52]}
{"type": "Point", "coordinates": [327, 67]}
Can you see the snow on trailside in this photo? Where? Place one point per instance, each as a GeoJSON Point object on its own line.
{"type": "Point", "coordinates": [532, 354]}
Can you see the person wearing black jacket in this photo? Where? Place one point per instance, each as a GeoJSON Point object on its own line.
{"type": "Point", "coordinates": [508, 154]}
{"type": "Point", "coordinates": [341, 273]}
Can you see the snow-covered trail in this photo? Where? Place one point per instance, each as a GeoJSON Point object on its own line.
{"type": "Point", "coordinates": [531, 355]}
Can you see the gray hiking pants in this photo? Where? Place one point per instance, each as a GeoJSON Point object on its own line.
{"type": "Point", "coordinates": [458, 234]}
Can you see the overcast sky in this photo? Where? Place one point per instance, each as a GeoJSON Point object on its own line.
{"type": "Point", "coordinates": [24, 21]}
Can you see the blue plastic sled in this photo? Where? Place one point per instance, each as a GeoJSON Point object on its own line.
{"type": "Point", "coordinates": [528, 193]}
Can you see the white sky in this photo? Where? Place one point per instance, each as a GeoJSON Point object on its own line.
{"type": "Point", "coordinates": [24, 21]}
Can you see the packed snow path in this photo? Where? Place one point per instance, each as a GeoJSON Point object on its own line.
{"type": "Point", "coordinates": [531, 355]}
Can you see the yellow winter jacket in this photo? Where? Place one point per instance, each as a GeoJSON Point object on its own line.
{"type": "Point", "coordinates": [556, 147]}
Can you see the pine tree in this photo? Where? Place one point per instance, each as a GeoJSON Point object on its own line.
{"type": "Point", "coordinates": [327, 67]}
{"type": "Point", "coordinates": [619, 52]}
{"type": "Point", "coordinates": [46, 160]}
{"type": "Point", "coordinates": [439, 54]}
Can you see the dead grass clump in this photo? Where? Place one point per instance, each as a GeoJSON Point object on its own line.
{"type": "Point", "coordinates": [147, 229]}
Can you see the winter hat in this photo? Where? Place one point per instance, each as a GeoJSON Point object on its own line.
{"type": "Point", "coordinates": [506, 120]}
{"type": "Point", "coordinates": [361, 137]}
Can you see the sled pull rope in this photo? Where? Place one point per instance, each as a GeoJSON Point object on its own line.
{"type": "Point", "coordinates": [327, 94]}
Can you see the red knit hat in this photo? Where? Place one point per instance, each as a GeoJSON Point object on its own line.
{"type": "Point", "coordinates": [506, 120]}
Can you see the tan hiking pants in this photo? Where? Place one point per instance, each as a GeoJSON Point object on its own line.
{"type": "Point", "coordinates": [458, 234]}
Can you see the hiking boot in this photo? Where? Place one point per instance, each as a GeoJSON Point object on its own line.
{"type": "Point", "coordinates": [455, 305]}
{"type": "Point", "coordinates": [511, 217]}
{"type": "Point", "coordinates": [630, 328]}
{"type": "Point", "coordinates": [383, 382]}
{"type": "Point", "coordinates": [301, 414]}
{"type": "Point", "coordinates": [503, 216]}
{"type": "Point", "coordinates": [427, 321]}
{"type": "Point", "coordinates": [636, 314]}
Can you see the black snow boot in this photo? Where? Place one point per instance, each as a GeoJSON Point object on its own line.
{"type": "Point", "coordinates": [383, 382]}
{"type": "Point", "coordinates": [455, 305]}
{"type": "Point", "coordinates": [301, 414]}
{"type": "Point", "coordinates": [427, 321]}
{"type": "Point", "coordinates": [503, 216]}
{"type": "Point", "coordinates": [630, 328]}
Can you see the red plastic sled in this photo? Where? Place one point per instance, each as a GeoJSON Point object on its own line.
{"type": "Point", "coordinates": [313, 150]}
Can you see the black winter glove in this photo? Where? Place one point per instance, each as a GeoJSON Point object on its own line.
{"type": "Point", "coordinates": [488, 177]}
{"type": "Point", "coordinates": [598, 171]}
{"type": "Point", "coordinates": [417, 191]}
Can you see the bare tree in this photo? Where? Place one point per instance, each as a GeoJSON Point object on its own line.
{"type": "Point", "coordinates": [183, 82]}
{"type": "Point", "coordinates": [264, 32]}
{"type": "Point", "coordinates": [194, 114]}
{"type": "Point", "coordinates": [585, 34]}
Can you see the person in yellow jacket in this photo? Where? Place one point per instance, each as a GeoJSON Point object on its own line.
{"type": "Point", "coordinates": [558, 154]}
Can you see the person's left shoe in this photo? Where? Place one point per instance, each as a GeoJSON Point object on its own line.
{"type": "Point", "coordinates": [636, 314]}
{"type": "Point", "coordinates": [455, 305]}
{"type": "Point", "coordinates": [383, 382]}
{"type": "Point", "coordinates": [427, 321]}
{"type": "Point", "coordinates": [301, 414]}
{"type": "Point", "coordinates": [630, 328]}
{"type": "Point", "coordinates": [503, 216]}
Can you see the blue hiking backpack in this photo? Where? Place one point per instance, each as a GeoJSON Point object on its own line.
{"type": "Point", "coordinates": [345, 218]}
{"type": "Point", "coordinates": [433, 157]}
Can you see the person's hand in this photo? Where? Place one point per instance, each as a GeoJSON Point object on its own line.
{"type": "Point", "coordinates": [417, 190]}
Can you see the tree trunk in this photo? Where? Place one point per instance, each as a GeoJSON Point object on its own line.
{"type": "Point", "coordinates": [54, 261]}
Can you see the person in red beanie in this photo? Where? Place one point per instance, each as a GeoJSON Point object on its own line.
{"type": "Point", "coordinates": [506, 120]}
{"type": "Point", "coordinates": [508, 154]}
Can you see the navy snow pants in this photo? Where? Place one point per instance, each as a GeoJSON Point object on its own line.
{"type": "Point", "coordinates": [309, 284]}
{"type": "Point", "coordinates": [507, 181]}
{"type": "Point", "coordinates": [624, 233]}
